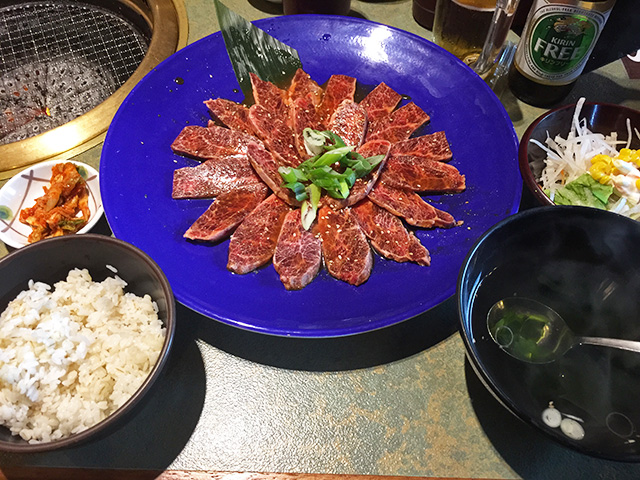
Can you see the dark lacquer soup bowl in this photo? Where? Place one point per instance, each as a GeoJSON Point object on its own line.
{"type": "Point", "coordinates": [583, 263]}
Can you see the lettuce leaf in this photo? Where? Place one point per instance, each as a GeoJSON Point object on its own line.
{"type": "Point", "coordinates": [584, 191]}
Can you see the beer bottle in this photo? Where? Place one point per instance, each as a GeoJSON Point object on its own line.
{"type": "Point", "coordinates": [554, 48]}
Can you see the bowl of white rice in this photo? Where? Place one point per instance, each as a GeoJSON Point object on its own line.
{"type": "Point", "coordinates": [86, 325]}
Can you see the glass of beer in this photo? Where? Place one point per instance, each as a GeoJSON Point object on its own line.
{"type": "Point", "coordinates": [473, 30]}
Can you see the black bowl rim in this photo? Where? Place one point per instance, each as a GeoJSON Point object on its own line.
{"type": "Point", "coordinates": [469, 352]}
{"type": "Point", "coordinates": [523, 156]}
{"type": "Point", "coordinates": [131, 403]}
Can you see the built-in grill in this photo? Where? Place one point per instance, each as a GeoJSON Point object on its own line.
{"type": "Point", "coordinates": [61, 60]}
{"type": "Point", "coordinates": [65, 67]}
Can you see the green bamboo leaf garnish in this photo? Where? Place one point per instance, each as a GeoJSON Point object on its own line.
{"type": "Point", "coordinates": [251, 49]}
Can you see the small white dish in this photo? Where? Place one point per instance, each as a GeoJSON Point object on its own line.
{"type": "Point", "coordinates": [22, 190]}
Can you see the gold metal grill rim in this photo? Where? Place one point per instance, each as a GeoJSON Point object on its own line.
{"type": "Point", "coordinates": [169, 22]}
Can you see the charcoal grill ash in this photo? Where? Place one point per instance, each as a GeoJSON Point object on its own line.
{"type": "Point", "coordinates": [60, 60]}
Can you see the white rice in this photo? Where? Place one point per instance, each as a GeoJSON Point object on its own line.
{"type": "Point", "coordinates": [72, 356]}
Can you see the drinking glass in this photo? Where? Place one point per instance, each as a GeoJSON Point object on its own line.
{"type": "Point", "coordinates": [474, 30]}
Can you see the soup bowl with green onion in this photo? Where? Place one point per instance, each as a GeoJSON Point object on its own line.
{"type": "Point", "coordinates": [582, 263]}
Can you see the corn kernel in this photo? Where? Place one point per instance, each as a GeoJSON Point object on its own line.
{"type": "Point", "coordinates": [601, 158]}
{"type": "Point", "coordinates": [600, 172]}
{"type": "Point", "coordinates": [600, 167]}
{"type": "Point", "coordinates": [625, 153]}
{"type": "Point", "coordinates": [638, 183]}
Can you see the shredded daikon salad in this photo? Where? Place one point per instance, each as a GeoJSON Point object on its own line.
{"type": "Point", "coordinates": [587, 168]}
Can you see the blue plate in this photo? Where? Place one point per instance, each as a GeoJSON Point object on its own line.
{"type": "Point", "coordinates": [137, 166]}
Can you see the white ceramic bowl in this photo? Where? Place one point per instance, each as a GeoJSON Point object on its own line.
{"type": "Point", "coordinates": [22, 190]}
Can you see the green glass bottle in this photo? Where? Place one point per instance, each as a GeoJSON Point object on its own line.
{"type": "Point", "coordinates": [554, 47]}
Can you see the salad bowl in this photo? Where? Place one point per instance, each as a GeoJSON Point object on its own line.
{"type": "Point", "coordinates": [602, 118]}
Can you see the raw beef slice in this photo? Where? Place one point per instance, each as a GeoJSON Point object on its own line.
{"type": "Point", "coordinates": [211, 141]}
{"type": "Point", "coordinates": [298, 254]}
{"type": "Point", "coordinates": [349, 121]}
{"type": "Point", "coordinates": [434, 146]}
{"type": "Point", "coordinates": [388, 235]}
{"type": "Point", "coordinates": [266, 166]}
{"type": "Point", "coordinates": [422, 175]}
{"type": "Point", "coordinates": [213, 177]}
{"type": "Point", "coordinates": [276, 134]}
{"type": "Point", "coordinates": [398, 125]}
{"type": "Point", "coordinates": [254, 241]}
{"type": "Point", "coordinates": [380, 102]}
{"type": "Point", "coordinates": [233, 115]}
{"type": "Point", "coordinates": [225, 214]}
{"type": "Point", "coordinates": [410, 206]}
{"type": "Point", "coordinates": [345, 248]}
{"type": "Point", "coordinates": [269, 96]}
{"type": "Point", "coordinates": [303, 86]}
{"type": "Point", "coordinates": [339, 88]}
{"type": "Point", "coordinates": [303, 115]}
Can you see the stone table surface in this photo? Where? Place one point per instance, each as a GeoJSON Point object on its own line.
{"type": "Point", "coordinates": [399, 401]}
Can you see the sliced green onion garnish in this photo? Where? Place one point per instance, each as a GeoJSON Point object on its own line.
{"type": "Point", "coordinates": [309, 208]}
{"type": "Point", "coordinates": [314, 141]}
{"type": "Point", "coordinates": [332, 156]}
{"type": "Point", "coordinates": [335, 138]}
{"type": "Point", "coordinates": [312, 176]}
{"type": "Point", "coordinates": [298, 189]}
{"type": "Point", "coordinates": [291, 175]}
{"type": "Point", "coordinates": [375, 160]}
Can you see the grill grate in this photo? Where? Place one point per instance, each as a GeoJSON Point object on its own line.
{"type": "Point", "coordinates": [58, 60]}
